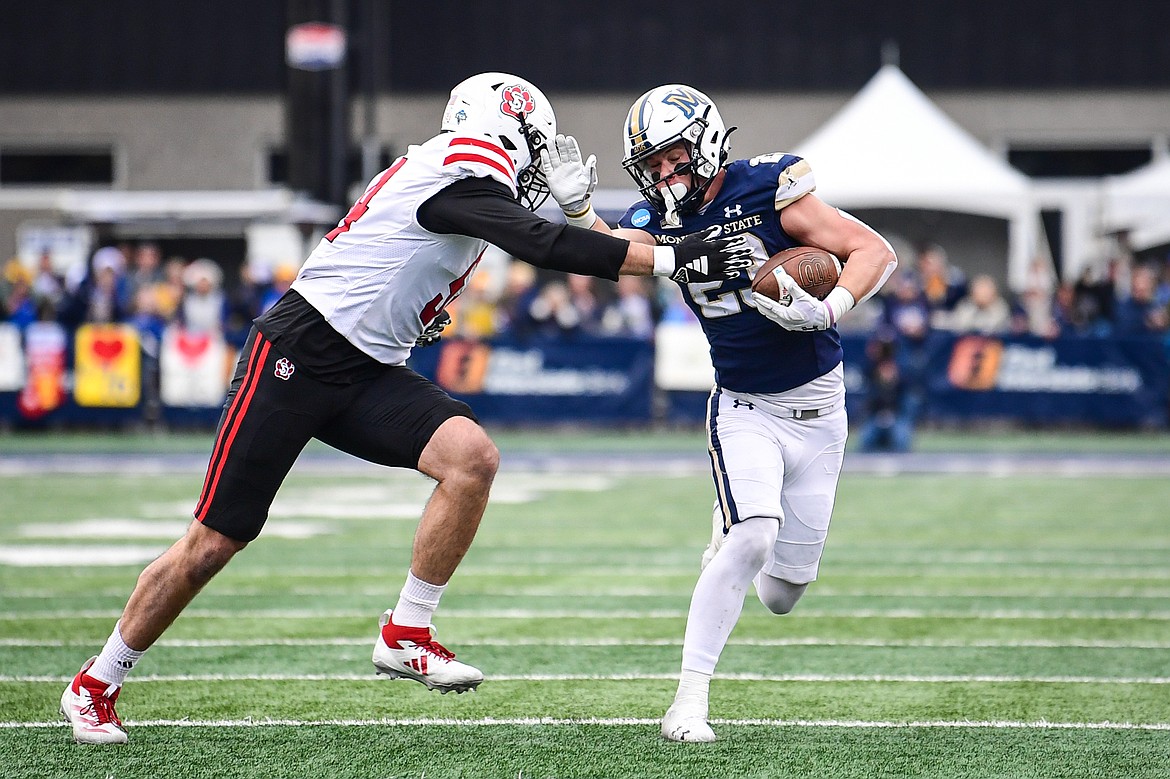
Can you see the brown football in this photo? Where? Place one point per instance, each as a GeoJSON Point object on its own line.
{"type": "Point", "coordinates": [815, 270]}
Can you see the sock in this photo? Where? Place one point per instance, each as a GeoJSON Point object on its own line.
{"type": "Point", "coordinates": [417, 602]}
{"type": "Point", "coordinates": [719, 594]}
{"type": "Point", "coordinates": [693, 687]}
{"type": "Point", "coordinates": [116, 659]}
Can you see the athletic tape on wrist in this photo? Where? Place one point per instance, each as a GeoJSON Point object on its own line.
{"type": "Point", "coordinates": [584, 219]}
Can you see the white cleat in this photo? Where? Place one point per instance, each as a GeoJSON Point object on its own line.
{"type": "Point", "coordinates": [412, 653]}
{"type": "Point", "coordinates": [88, 705]}
{"type": "Point", "coordinates": [686, 724]}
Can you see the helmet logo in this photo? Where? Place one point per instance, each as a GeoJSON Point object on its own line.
{"type": "Point", "coordinates": [517, 102]}
{"type": "Point", "coordinates": [685, 101]}
{"type": "Point", "coordinates": [461, 116]}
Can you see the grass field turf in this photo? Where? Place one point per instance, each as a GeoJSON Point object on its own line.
{"type": "Point", "coordinates": [964, 626]}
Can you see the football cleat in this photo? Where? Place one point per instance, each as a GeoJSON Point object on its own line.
{"type": "Point", "coordinates": [682, 723]}
{"type": "Point", "coordinates": [413, 653]}
{"type": "Point", "coordinates": [88, 705]}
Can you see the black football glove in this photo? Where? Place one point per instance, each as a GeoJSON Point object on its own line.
{"type": "Point", "coordinates": [433, 332]}
{"type": "Point", "coordinates": [703, 258]}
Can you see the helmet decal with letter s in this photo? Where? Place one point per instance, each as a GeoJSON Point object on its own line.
{"type": "Point", "coordinates": [518, 102]}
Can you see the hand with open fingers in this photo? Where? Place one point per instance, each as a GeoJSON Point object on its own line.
{"type": "Point", "coordinates": [703, 257]}
{"type": "Point", "coordinates": [571, 181]}
{"type": "Point", "coordinates": [796, 309]}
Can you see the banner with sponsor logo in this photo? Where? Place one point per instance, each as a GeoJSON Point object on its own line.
{"type": "Point", "coordinates": [108, 366]}
{"type": "Point", "coordinates": [575, 380]}
{"type": "Point", "coordinates": [1092, 381]}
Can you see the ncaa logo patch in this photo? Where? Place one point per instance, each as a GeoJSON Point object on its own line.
{"type": "Point", "coordinates": [641, 218]}
{"type": "Point", "coordinates": [284, 369]}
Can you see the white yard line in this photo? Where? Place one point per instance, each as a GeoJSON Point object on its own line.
{"type": "Point", "coordinates": [472, 613]}
{"type": "Point", "coordinates": [740, 677]}
{"type": "Point", "coordinates": [635, 642]}
{"type": "Point", "coordinates": [620, 722]}
{"type": "Point", "coordinates": [825, 593]}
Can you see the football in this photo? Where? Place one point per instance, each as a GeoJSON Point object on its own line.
{"type": "Point", "coordinates": [815, 270]}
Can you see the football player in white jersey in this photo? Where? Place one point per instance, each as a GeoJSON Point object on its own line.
{"type": "Point", "coordinates": [776, 421]}
{"type": "Point", "coordinates": [328, 361]}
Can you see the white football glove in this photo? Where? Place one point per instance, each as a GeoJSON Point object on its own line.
{"type": "Point", "coordinates": [796, 309]}
{"type": "Point", "coordinates": [571, 181]}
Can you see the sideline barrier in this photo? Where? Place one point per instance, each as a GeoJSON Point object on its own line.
{"type": "Point", "coordinates": [1101, 381]}
{"type": "Point", "coordinates": [1106, 382]}
{"type": "Point", "coordinates": [606, 380]}
{"type": "Point", "coordinates": [99, 378]}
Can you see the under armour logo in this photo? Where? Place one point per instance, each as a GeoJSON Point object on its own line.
{"type": "Point", "coordinates": [284, 369]}
{"type": "Point", "coordinates": [736, 403]}
{"type": "Point", "coordinates": [735, 210]}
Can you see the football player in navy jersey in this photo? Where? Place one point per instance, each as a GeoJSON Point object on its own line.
{"type": "Point", "coordinates": [776, 424]}
{"type": "Point", "coordinates": [328, 361]}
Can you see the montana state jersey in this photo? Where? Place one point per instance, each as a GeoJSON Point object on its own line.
{"type": "Point", "coordinates": [750, 352]}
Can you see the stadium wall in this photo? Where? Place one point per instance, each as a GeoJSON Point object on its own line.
{"type": "Point", "coordinates": [223, 143]}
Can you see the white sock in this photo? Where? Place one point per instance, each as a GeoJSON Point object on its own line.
{"type": "Point", "coordinates": [116, 659]}
{"type": "Point", "coordinates": [693, 688]}
{"type": "Point", "coordinates": [417, 602]}
{"type": "Point", "coordinates": [718, 598]}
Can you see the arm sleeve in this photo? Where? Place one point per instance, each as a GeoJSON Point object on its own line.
{"type": "Point", "coordinates": [485, 209]}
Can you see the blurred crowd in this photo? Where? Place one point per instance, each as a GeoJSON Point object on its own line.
{"type": "Point", "coordinates": [133, 283]}
{"type": "Point", "coordinates": [1114, 297]}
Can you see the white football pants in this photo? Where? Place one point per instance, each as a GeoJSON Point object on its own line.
{"type": "Point", "coordinates": [765, 464]}
{"type": "Point", "coordinates": [776, 480]}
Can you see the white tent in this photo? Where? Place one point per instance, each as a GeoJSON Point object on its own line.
{"type": "Point", "coordinates": [891, 147]}
{"type": "Point", "coordinates": [1139, 201]}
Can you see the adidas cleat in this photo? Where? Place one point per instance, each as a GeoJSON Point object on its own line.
{"type": "Point", "coordinates": [412, 653]}
{"type": "Point", "coordinates": [88, 705]}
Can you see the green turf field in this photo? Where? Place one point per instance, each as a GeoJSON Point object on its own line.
{"type": "Point", "coordinates": [963, 626]}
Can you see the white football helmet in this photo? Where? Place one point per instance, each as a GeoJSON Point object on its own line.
{"type": "Point", "coordinates": [511, 112]}
{"type": "Point", "coordinates": [662, 117]}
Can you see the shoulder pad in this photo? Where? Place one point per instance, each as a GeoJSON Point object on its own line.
{"type": "Point", "coordinates": [475, 157]}
{"type": "Point", "coordinates": [794, 182]}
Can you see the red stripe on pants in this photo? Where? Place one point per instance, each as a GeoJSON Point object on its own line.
{"type": "Point", "coordinates": [231, 426]}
